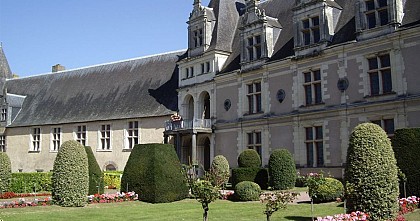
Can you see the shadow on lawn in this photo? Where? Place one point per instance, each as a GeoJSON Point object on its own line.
{"type": "Point", "coordinates": [298, 218]}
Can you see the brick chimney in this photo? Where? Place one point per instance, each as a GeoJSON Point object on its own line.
{"type": "Point", "coordinates": [57, 68]}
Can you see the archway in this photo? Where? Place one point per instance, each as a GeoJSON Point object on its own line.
{"type": "Point", "coordinates": [205, 105]}
{"type": "Point", "coordinates": [189, 107]}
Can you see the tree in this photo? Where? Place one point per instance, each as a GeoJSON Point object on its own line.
{"type": "Point", "coordinates": [371, 182]}
{"type": "Point", "coordinates": [219, 171]}
{"type": "Point", "coordinates": [205, 193]}
{"type": "Point", "coordinates": [5, 172]}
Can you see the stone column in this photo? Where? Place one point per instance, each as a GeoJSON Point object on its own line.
{"type": "Point", "coordinates": [194, 148]}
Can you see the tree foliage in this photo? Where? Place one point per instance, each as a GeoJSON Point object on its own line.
{"type": "Point", "coordinates": [96, 181]}
{"type": "Point", "coordinates": [5, 172]}
{"type": "Point", "coordinates": [282, 170]}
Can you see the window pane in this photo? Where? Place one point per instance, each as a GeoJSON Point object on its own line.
{"type": "Point", "coordinates": [251, 54]}
{"type": "Point", "coordinates": [371, 20]}
{"type": "Point", "coordinates": [318, 131]}
{"type": "Point", "coordinates": [317, 75]}
{"type": "Point", "coordinates": [258, 138]}
{"type": "Point", "coordinates": [305, 24]}
{"type": "Point", "coordinates": [373, 63]}
{"type": "Point", "coordinates": [250, 42]}
{"type": "Point", "coordinates": [258, 87]}
{"type": "Point", "coordinates": [385, 61]}
{"type": "Point", "coordinates": [389, 126]}
{"type": "Point", "coordinates": [258, 50]}
{"type": "Point", "coordinates": [250, 138]}
{"type": "Point", "coordinates": [250, 104]}
{"type": "Point", "coordinates": [306, 38]}
{"type": "Point", "coordinates": [382, 3]}
{"type": "Point", "coordinates": [370, 5]}
{"type": "Point", "coordinates": [315, 21]}
{"type": "Point", "coordinates": [258, 100]}
{"type": "Point", "coordinates": [310, 154]}
{"type": "Point", "coordinates": [377, 122]}
{"type": "Point", "coordinates": [250, 89]}
{"type": "Point", "coordinates": [307, 77]}
{"type": "Point", "coordinates": [319, 154]}
{"type": "Point", "coordinates": [258, 39]}
{"type": "Point", "coordinates": [203, 68]}
{"type": "Point", "coordinates": [316, 35]}
{"type": "Point", "coordinates": [309, 133]}
{"type": "Point", "coordinates": [383, 17]}
{"type": "Point", "coordinates": [374, 83]}
{"type": "Point", "coordinates": [386, 81]}
{"type": "Point", "coordinates": [318, 93]}
{"type": "Point", "coordinates": [308, 94]}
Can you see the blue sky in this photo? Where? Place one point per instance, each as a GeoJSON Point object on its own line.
{"type": "Point", "coordinates": [37, 34]}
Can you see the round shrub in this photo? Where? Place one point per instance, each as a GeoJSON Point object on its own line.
{"type": "Point", "coordinates": [327, 191]}
{"type": "Point", "coordinates": [154, 172]}
{"type": "Point", "coordinates": [249, 158]}
{"type": "Point", "coordinates": [70, 179]}
{"type": "Point", "coordinates": [282, 170]}
{"type": "Point", "coordinates": [220, 170]}
{"type": "Point", "coordinates": [247, 191]}
{"type": "Point", "coordinates": [371, 180]}
{"type": "Point", "coordinates": [5, 172]}
{"type": "Point", "coordinates": [96, 178]}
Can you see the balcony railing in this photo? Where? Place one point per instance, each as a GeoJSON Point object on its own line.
{"type": "Point", "coordinates": [187, 124]}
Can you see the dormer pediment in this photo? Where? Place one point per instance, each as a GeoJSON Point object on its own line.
{"type": "Point", "coordinates": [200, 28]}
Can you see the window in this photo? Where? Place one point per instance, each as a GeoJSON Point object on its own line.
{"type": "Point", "coordinates": [56, 138]}
{"type": "Point", "coordinates": [191, 72]}
{"type": "Point", "coordinates": [254, 141]}
{"type": "Point", "coordinates": [36, 139]}
{"type": "Point", "coordinates": [81, 135]}
{"type": "Point", "coordinates": [254, 48]}
{"type": "Point", "coordinates": [105, 137]}
{"type": "Point", "coordinates": [198, 38]}
{"type": "Point", "coordinates": [254, 98]}
{"type": "Point", "coordinates": [187, 72]}
{"type": "Point", "coordinates": [310, 31]}
{"type": "Point", "coordinates": [314, 146]}
{"type": "Point", "coordinates": [313, 89]}
{"type": "Point", "coordinates": [3, 114]}
{"type": "Point", "coordinates": [2, 143]}
{"type": "Point", "coordinates": [387, 125]}
{"type": "Point", "coordinates": [380, 75]}
{"type": "Point", "coordinates": [133, 134]}
{"type": "Point", "coordinates": [207, 66]}
{"type": "Point", "coordinates": [203, 69]}
{"type": "Point", "coordinates": [376, 13]}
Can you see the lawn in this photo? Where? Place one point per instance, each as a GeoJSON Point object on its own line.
{"type": "Point", "coordinates": [182, 210]}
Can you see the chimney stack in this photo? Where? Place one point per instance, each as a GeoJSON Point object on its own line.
{"type": "Point", "coordinates": [57, 68]}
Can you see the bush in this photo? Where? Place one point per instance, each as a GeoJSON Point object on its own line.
{"type": "Point", "coordinates": [253, 174]}
{"type": "Point", "coordinates": [219, 171]}
{"type": "Point", "coordinates": [328, 191]}
{"type": "Point", "coordinates": [249, 158]}
{"type": "Point", "coordinates": [406, 145]}
{"type": "Point", "coordinates": [154, 172]}
{"type": "Point", "coordinates": [96, 182]}
{"type": "Point", "coordinates": [371, 173]}
{"type": "Point", "coordinates": [113, 180]}
{"type": "Point", "coordinates": [31, 182]}
{"type": "Point", "coordinates": [247, 191]}
{"type": "Point", "coordinates": [5, 172]}
{"type": "Point", "coordinates": [70, 178]}
{"type": "Point", "coordinates": [282, 170]}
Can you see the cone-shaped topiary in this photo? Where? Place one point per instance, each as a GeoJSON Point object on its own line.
{"type": "Point", "coordinates": [249, 158]}
{"type": "Point", "coordinates": [406, 145]}
{"type": "Point", "coordinates": [96, 181]}
{"type": "Point", "coordinates": [70, 179]}
{"type": "Point", "coordinates": [282, 170]}
{"type": "Point", "coordinates": [5, 172]}
{"type": "Point", "coordinates": [154, 172]}
{"type": "Point", "coordinates": [219, 170]}
{"type": "Point", "coordinates": [371, 180]}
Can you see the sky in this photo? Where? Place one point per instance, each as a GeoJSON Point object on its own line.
{"type": "Point", "coordinates": [37, 34]}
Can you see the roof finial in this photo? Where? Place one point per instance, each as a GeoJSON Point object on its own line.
{"type": "Point", "coordinates": [252, 4]}
{"type": "Point", "coordinates": [197, 2]}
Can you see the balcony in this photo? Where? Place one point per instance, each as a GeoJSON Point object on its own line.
{"type": "Point", "coordinates": [196, 124]}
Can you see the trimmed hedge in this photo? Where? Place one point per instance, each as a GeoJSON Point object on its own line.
{"type": "Point", "coordinates": [253, 174]}
{"type": "Point", "coordinates": [247, 191]}
{"type": "Point", "coordinates": [328, 191]}
{"type": "Point", "coordinates": [406, 145]}
{"type": "Point", "coordinates": [371, 173]}
{"type": "Point", "coordinates": [96, 181]}
{"type": "Point", "coordinates": [249, 158]}
{"type": "Point", "coordinates": [70, 179]}
{"type": "Point", "coordinates": [31, 182]}
{"type": "Point", "coordinates": [5, 172]}
{"type": "Point", "coordinates": [282, 170]}
{"type": "Point", "coordinates": [154, 172]}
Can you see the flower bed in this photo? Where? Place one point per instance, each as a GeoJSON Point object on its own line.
{"type": "Point", "coordinates": [345, 217]}
{"type": "Point", "coordinates": [23, 203]}
{"type": "Point", "coordinates": [9, 195]}
{"type": "Point", "coordinates": [408, 204]}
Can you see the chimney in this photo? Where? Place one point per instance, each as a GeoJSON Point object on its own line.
{"type": "Point", "coordinates": [57, 68]}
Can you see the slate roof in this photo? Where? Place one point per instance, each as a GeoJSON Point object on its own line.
{"type": "Point", "coordinates": [5, 72]}
{"type": "Point", "coordinates": [135, 88]}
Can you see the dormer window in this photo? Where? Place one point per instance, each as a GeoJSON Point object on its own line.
{"type": "Point", "coordinates": [376, 13]}
{"type": "Point", "coordinates": [310, 30]}
{"type": "Point", "coordinates": [3, 114]}
{"type": "Point", "coordinates": [198, 38]}
{"type": "Point", "coordinates": [254, 48]}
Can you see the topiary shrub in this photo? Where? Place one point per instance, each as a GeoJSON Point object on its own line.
{"type": "Point", "coordinates": [249, 158]}
{"type": "Point", "coordinates": [327, 191]}
{"type": "Point", "coordinates": [5, 172]}
{"type": "Point", "coordinates": [70, 179]}
{"type": "Point", "coordinates": [154, 172]}
{"type": "Point", "coordinates": [247, 191]}
{"type": "Point", "coordinates": [253, 174]}
{"type": "Point", "coordinates": [96, 181]}
{"type": "Point", "coordinates": [282, 170]}
{"type": "Point", "coordinates": [371, 180]}
{"type": "Point", "coordinates": [219, 171]}
{"type": "Point", "coordinates": [406, 145]}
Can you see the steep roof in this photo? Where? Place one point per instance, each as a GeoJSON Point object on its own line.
{"type": "Point", "coordinates": [5, 72]}
{"type": "Point", "coordinates": [135, 88]}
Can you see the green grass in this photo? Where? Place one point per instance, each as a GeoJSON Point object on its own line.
{"type": "Point", "coordinates": [182, 210]}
